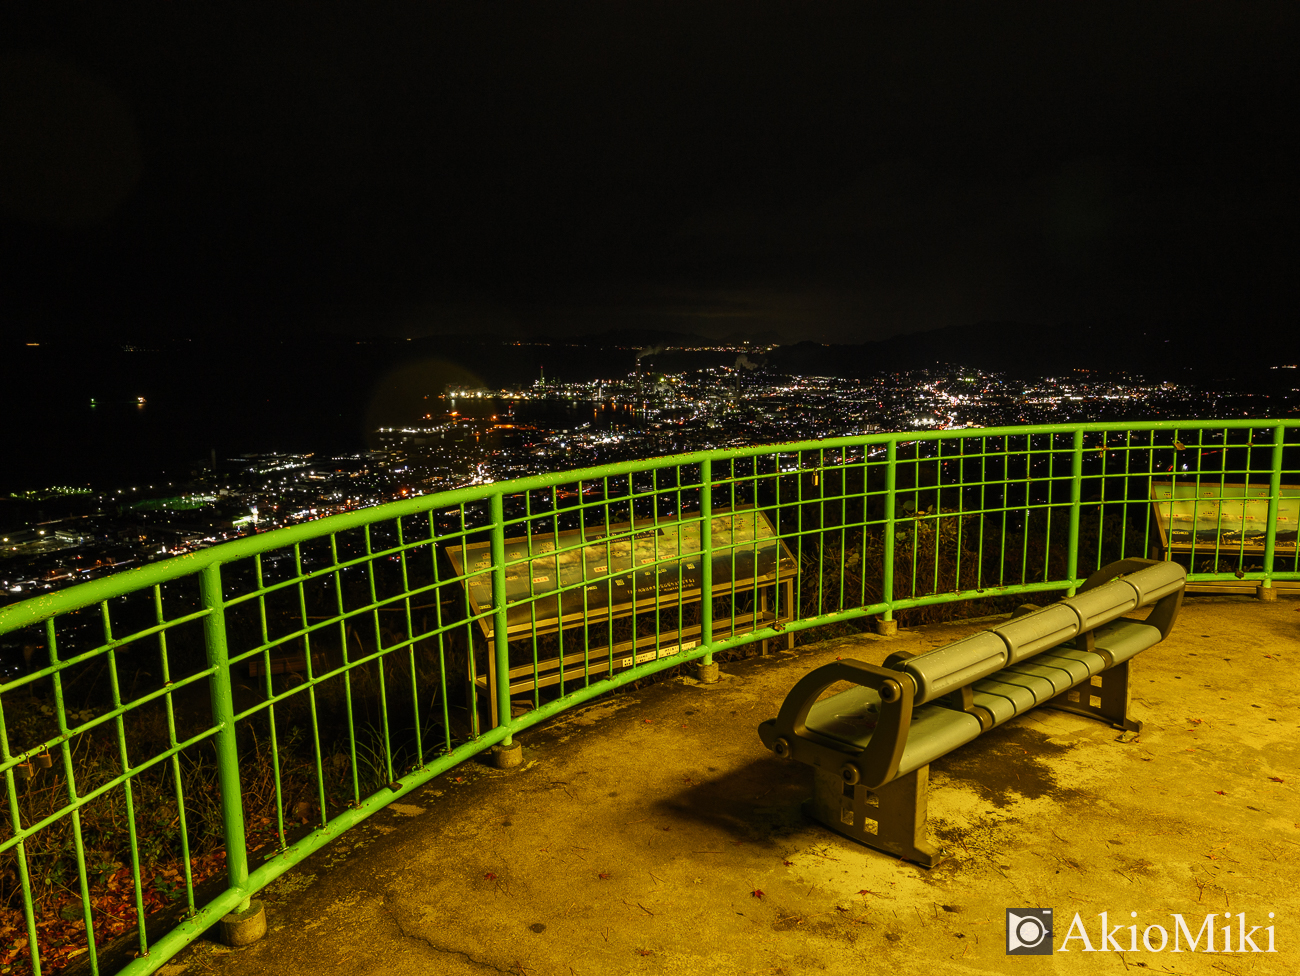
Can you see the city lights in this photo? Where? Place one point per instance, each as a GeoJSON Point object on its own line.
{"type": "Point", "coordinates": [482, 436]}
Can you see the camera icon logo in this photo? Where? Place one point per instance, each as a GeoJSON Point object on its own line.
{"type": "Point", "coordinates": [1029, 931]}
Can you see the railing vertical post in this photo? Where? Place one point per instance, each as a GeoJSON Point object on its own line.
{"type": "Point", "coordinates": [223, 717]}
{"type": "Point", "coordinates": [706, 558]}
{"type": "Point", "coordinates": [1076, 505]}
{"type": "Point", "coordinates": [1274, 500]}
{"type": "Point", "coordinates": [891, 501]}
{"type": "Point", "coordinates": [501, 647]}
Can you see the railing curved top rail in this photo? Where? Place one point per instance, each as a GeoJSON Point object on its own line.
{"type": "Point", "coordinates": [39, 608]}
{"type": "Point", "coordinates": [1021, 510]}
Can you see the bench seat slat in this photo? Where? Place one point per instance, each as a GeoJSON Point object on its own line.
{"type": "Point", "coordinates": [1076, 669]}
{"type": "Point", "coordinates": [999, 706]}
{"type": "Point", "coordinates": [1007, 694]}
{"type": "Point", "coordinates": [1020, 697]}
{"type": "Point", "coordinates": [1092, 663]}
{"type": "Point", "coordinates": [1125, 638]}
{"type": "Point", "coordinates": [1014, 696]}
{"type": "Point", "coordinates": [1058, 679]}
{"type": "Point", "coordinates": [1038, 687]}
{"type": "Point", "coordinates": [850, 717]}
{"type": "Point", "coordinates": [935, 732]}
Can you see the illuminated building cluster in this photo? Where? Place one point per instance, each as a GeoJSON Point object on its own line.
{"type": "Point", "coordinates": [479, 436]}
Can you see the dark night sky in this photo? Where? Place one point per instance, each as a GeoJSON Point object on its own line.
{"type": "Point", "coordinates": [838, 172]}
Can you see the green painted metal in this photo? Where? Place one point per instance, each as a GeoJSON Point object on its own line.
{"type": "Point", "coordinates": [95, 591]}
{"type": "Point", "coordinates": [891, 512]}
{"type": "Point", "coordinates": [384, 635]}
{"type": "Point", "coordinates": [500, 636]}
{"type": "Point", "coordinates": [706, 556]}
{"type": "Point", "coordinates": [223, 716]}
{"type": "Point", "coordinates": [1274, 493]}
{"type": "Point", "coordinates": [1076, 500]}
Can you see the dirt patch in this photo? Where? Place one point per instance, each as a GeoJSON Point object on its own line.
{"type": "Point", "coordinates": [792, 922]}
{"type": "Point", "coordinates": [984, 839]}
{"type": "Point", "coordinates": [1005, 764]}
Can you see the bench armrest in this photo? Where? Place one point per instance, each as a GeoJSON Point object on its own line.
{"type": "Point", "coordinates": [789, 737]}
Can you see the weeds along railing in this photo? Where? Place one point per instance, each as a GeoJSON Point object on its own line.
{"type": "Point", "coordinates": [176, 736]}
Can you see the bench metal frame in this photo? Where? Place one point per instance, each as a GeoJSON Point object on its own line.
{"type": "Point", "coordinates": [859, 792]}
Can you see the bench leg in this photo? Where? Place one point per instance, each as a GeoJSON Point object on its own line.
{"type": "Point", "coordinates": [889, 819]}
{"type": "Point", "coordinates": [1105, 698]}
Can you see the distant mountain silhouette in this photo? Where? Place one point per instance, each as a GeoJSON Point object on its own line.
{"type": "Point", "coordinates": [757, 337]}
{"type": "Point", "coordinates": [638, 337]}
{"type": "Point", "coordinates": [1164, 350]}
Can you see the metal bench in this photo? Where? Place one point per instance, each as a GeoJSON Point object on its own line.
{"type": "Point", "coordinates": [870, 746]}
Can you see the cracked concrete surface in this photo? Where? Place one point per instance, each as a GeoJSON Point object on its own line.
{"type": "Point", "coordinates": [653, 833]}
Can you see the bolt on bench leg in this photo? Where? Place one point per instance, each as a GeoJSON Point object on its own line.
{"type": "Point", "coordinates": [890, 818]}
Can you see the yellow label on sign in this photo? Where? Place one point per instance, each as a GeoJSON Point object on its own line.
{"type": "Point", "coordinates": [628, 661]}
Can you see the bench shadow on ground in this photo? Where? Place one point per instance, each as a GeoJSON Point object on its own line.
{"type": "Point", "coordinates": [760, 803]}
{"type": "Point", "coordinates": [1005, 764]}
{"type": "Point", "coordinates": [757, 803]}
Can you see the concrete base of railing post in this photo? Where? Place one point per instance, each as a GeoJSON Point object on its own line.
{"type": "Point", "coordinates": [707, 674]}
{"type": "Point", "coordinates": [1266, 593]}
{"type": "Point", "coordinates": [508, 757]}
{"type": "Point", "coordinates": [244, 928]}
{"type": "Point", "coordinates": [886, 628]}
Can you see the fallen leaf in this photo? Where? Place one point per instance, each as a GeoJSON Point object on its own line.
{"type": "Point", "coordinates": [604, 875]}
{"type": "Point", "coordinates": [1221, 793]}
{"type": "Point", "coordinates": [489, 876]}
{"type": "Point", "coordinates": [1276, 779]}
{"type": "Point", "coordinates": [756, 893]}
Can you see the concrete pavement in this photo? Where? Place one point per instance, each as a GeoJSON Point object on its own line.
{"type": "Point", "coordinates": [652, 833]}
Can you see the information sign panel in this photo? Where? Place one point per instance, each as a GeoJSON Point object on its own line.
{"type": "Point", "coordinates": [554, 580]}
{"type": "Point", "coordinates": [1207, 516]}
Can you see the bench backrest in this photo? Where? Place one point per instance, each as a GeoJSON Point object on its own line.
{"type": "Point", "coordinates": [947, 669]}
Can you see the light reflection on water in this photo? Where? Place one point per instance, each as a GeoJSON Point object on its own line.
{"type": "Point", "coordinates": [119, 441]}
{"type": "Point", "coordinates": [554, 414]}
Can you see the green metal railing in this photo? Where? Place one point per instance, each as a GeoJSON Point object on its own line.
{"type": "Point", "coordinates": [178, 735]}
